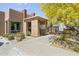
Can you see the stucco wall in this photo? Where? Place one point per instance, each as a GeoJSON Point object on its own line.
{"type": "Point", "coordinates": [35, 28]}
{"type": "Point", "coordinates": [29, 15]}
{"type": "Point", "coordinates": [2, 22]}
{"type": "Point", "coordinates": [15, 15]}
{"type": "Point", "coordinates": [6, 15]}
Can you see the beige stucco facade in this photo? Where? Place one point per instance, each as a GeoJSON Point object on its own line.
{"type": "Point", "coordinates": [19, 21]}
{"type": "Point", "coordinates": [2, 22]}
{"type": "Point", "coordinates": [36, 25]}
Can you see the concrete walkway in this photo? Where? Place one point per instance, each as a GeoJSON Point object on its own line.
{"type": "Point", "coordinates": [34, 47]}
{"type": "Point", "coordinates": [41, 47]}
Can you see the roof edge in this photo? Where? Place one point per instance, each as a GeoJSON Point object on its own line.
{"type": "Point", "coordinates": [35, 16]}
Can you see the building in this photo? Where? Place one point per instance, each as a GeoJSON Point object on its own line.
{"type": "Point", "coordinates": [13, 21]}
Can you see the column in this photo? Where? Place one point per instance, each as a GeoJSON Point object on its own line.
{"type": "Point", "coordinates": [35, 28]}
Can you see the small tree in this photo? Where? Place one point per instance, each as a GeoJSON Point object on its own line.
{"type": "Point", "coordinates": [67, 13]}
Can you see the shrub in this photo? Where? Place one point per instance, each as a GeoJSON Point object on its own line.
{"type": "Point", "coordinates": [6, 35]}
{"type": "Point", "coordinates": [11, 37]}
{"type": "Point", "coordinates": [28, 33]}
{"type": "Point", "coordinates": [76, 49]}
{"type": "Point", "coordinates": [67, 31]}
{"type": "Point", "coordinates": [62, 37]}
{"type": "Point", "coordinates": [20, 36]}
{"type": "Point", "coordinates": [1, 34]}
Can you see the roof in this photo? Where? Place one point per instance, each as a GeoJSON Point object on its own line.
{"type": "Point", "coordinates": [1, 12]}
{"type": "Point", "coordinates": [18, 11]}
{"type": "Point", "coordinates": [13, 10]}
{"type": "Point", "coordinates": [38, 18]}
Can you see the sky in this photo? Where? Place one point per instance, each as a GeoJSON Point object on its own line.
{"type": "Point", "coordinates": [30, 7]}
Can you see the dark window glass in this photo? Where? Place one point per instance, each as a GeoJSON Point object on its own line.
{"type": "Point", "coordinates": [15, 27]}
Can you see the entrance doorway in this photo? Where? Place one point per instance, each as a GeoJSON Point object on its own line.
{"type": "Point", "coordinates": [29, 27]}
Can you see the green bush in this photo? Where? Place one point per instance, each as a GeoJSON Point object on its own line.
{"type": "Point", "coordinates": [28, 33]}
{"type": "Point", "coordinates": [1, 34]}
{"type": "Point", "coordinates": [11, 37]}
{"type": "Point", "coordinates": [20, 36]}
{"type": "Point", "coordinates": [62, 37]}
{"type": "Point", "coordinates": [67, 31]}
{"type": "Point", "coordinates": [76, 49]}
{"type": "Point", "coordinates": [6, 35]}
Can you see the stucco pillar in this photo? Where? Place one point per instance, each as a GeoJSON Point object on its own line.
{"type": "Point", "coordinates": [21, 26]}
{"type": "Point", "coordinates": [35, 28]}
{"type": "Point", "coordinates": [46, 27]}
{"type": "Point", "coordinates": [24, 27]}
{"type": "Point", "coordinates": [7, 27]}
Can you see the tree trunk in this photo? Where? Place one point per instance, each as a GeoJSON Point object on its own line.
{"type": "Point", "coordinates": [51, 28]}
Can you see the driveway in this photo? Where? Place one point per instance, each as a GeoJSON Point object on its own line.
{"type": "Point", "coordinates": [40, 47]}
{"type": "Point", "coordinates": [34, 47]}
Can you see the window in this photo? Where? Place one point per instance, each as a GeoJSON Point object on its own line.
{"type": "Point", "coordinates": [15, 27]}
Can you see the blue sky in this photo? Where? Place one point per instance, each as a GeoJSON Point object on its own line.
{"type": "Point", "coordinates": [31, 7]}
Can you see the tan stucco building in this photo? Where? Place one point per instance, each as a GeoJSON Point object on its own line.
{"type": "Point", "coordinates": [13, 21]}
